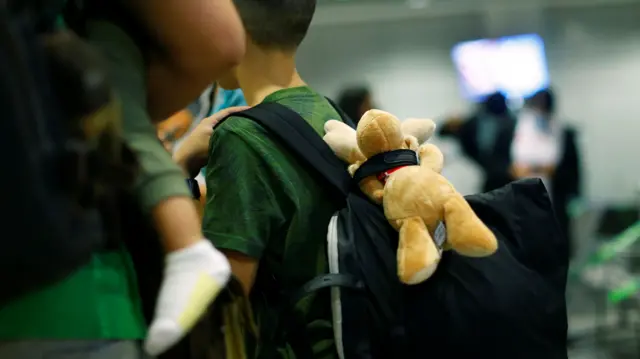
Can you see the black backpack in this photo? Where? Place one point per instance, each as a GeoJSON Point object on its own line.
{"type": "Point", "coordinates": [508, 305]}
{"type": "Point", "coordinates": [62, 149]}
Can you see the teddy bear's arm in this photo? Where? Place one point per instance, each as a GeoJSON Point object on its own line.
{"type": "Point", "coordinates": [431, 157]}
{"type": "Point", "coordinates": [354, 167]}
{"type": "Point", "coordinates": [466, 233]}
{"type": "Point", "coordinates": [342, 140]}
{"type": "Point", "coordinates": [411, 142]}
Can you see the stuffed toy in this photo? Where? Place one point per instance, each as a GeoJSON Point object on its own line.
{"type": "Point", "coordinates": [418, 201]}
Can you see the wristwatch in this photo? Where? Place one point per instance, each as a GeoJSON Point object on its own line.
{"type": "Point", "coordinates": [194, 187]}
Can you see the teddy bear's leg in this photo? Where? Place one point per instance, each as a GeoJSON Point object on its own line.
{"type": "Point", "coordinates": [466, 234]}
{"type": "Point", "coordinates": [418, 256]}
{"type": "Point", "coordinates": [431, 157]}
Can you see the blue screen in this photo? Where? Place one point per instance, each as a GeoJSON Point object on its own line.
{"type": "Point", "coordinates": [514, 65]}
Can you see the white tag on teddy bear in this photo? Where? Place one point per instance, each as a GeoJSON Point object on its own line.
{"type": "Point", "coordinates": [440, 236]}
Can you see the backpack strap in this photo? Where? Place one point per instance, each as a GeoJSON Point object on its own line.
{"type": "Point", "coordinates": [345, 118]}
{"type": "Point", "coordinates": [300, 138]}
{"type": "Point", "coordinates": [292, 130]}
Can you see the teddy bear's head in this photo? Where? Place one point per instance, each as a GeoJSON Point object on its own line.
{"type": "Point", "coordinates": [379, 131]}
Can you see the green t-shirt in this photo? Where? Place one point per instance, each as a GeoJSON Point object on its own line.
{"type": "Point", "coordinates": [159, 178]}
{"type": "Point", "coordinates": [98, 301]}
{"type": "Point", "coordinates": [261, 202]}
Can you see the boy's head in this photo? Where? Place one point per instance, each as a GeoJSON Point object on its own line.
{"type": "Point", "coordinates": [273, 25]}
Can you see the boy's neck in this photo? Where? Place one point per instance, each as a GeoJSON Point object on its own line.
{"type": "Point", "coordinates": [263, 73]}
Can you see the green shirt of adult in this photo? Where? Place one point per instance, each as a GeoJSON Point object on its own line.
{"type": "Point", "coordinates": [262, 203]}
{"type": "Point", "coordinates": [100, 300]}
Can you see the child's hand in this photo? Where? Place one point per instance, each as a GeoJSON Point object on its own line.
{"type": "Point", "coordinates": [193, 152]}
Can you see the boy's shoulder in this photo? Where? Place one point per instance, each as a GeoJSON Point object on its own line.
{"type": "Point", "coordinates": [236, 124]}
{"type": "Point", "coordinates": [314, 108]}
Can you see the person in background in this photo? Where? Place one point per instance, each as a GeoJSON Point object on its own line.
{"type": "Point", "coordinates": [228, 98]}
{"type": "Point", "coordinates": [485, 137]}
{"type": "Point", "coordinates": [153, 84]}
{"type": "Point", "coordinates": [355, 101]}
{"type": "Point", "coordinates": [214, 99]}
{"type": "Point", "coordinates": [96, 311]}
{"type": "Point", "coordinates": [542, 147]}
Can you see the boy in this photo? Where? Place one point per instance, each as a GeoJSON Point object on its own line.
{"type": "Point", "coordinates": [98, 306]}
{"type": "Point", "coordinates": [263, 208]}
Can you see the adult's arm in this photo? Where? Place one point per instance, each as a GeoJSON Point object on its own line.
{"type": "Point", "coordinates": [202, 39]}
{"type": "Point", "coordinates": [244, 206]}
{"type": "Point", "coordinates": [450, 127]}
{"type": "Point", "coordinates": [160, 178]}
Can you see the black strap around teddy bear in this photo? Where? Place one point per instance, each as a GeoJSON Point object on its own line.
{"type": "Point", "coordinates": [383, 164]}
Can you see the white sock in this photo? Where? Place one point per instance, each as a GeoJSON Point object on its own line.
{"type": "Point", "coordinates": [193, 277]}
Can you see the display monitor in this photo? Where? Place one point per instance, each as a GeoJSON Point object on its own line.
{"type": "Point", "coordinates": [513, 65]}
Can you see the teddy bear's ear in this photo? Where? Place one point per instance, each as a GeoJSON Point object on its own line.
{"type": "Point", "coordinates": [421, 129]}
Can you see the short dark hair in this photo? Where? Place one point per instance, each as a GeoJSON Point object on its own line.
{"type": "Point", "coordinates": [545, 99]}
{"type": "Point", "coordinates": [351, 99]}
{"type": "Point", "coordinates": [496, 104]}
{"type": "Point", "coordinates": [276, 24]}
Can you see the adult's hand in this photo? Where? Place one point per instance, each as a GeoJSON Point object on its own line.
{"type": "Point", "coordinates": [193, 153]}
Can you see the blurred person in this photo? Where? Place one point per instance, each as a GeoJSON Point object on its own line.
{"type": "Point", "coordinates": [355, 101]}
{"type": "Point", "coordinates": [192, 42]}
{"type": "Point", "coordinates": [228, 98]}
{"type": "Point", "coordinates": [265, 210]}
{"type": "Point", "coordinates": [83, 314]}
{"type": "Point", "coordinates": [542, 147]}
{"type": "Point", "coordinates": [485, 137]}
{"type": "Point", "coordinates": [199, 40]}
{"type": "Point", "coordinates": [215, 99]}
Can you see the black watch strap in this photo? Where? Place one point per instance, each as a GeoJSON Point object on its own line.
{"type": "Point", "coordinates": [194, 188]}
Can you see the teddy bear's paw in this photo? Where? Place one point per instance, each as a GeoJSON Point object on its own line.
{"type": "Point", "coordinates": [431, 157]}
{"type": "Point", "coordinates": [422, 275]}
{"type": "Point", "coordinates": [353, 168]}
{"type": "Point", "coordinates": [466, 233]}
{"type": "Point", "coordinates": [479, 245]}
{"type": "Point", "coordinates": [335, 125]}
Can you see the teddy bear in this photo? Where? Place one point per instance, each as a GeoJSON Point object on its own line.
{"type": "Point", "coordinates": [418, 201]}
